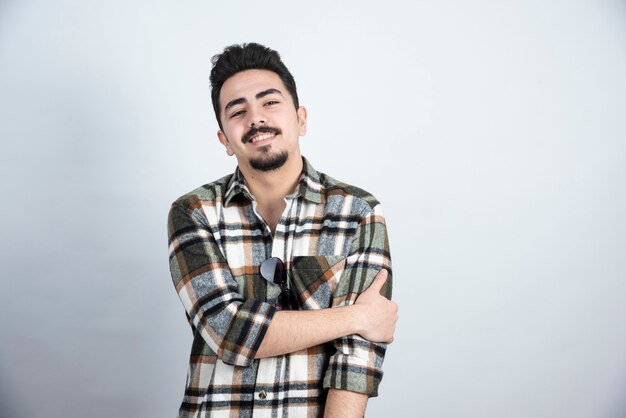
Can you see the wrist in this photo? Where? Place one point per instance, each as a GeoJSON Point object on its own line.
{"type": "Point", "coordinates": [355, 317]}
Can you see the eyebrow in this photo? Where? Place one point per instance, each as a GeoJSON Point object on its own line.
{"type": "Point", "coordinates": [242, 100]}
{"type": "Point", "coordinates": [268, 92]}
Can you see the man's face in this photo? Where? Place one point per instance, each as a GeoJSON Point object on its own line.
{"type": "Point", "coordinates": [260, 124]}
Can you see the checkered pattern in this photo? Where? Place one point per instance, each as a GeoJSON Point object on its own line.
{"type": "Point", "coordinates": [333, 239]}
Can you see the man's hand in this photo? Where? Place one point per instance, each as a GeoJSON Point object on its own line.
{"type": "Point", "coordinates": [378, 315]}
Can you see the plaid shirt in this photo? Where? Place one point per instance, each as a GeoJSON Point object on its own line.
{"type": "Point", "coordinates": [333, 239]}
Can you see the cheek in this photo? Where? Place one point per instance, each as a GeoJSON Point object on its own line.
{"type": "Point", "coordinates": [235, 133]}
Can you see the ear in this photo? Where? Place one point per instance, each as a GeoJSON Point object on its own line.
{"type": "Point", "coordinates": [222, 138]}
{"type": "Point", "coordinates": [302, 120]}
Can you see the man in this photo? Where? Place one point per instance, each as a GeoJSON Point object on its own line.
{"type": "Point", "coordinates": [280, 268]}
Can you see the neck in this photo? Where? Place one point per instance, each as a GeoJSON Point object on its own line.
{"type": "Point", "coordinates": [269, 188]}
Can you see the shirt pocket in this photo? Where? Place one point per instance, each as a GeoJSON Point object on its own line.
{"type": "Point", "coordinates": [315, 279]}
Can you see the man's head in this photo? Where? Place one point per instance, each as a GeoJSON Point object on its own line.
{"type": "Point", "coordinates": [250, 56]}
{"type": "Point", "coordinates": [256, 105]}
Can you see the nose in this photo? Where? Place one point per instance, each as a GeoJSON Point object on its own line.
{"type": "Point", "coordinates": [256, 117]}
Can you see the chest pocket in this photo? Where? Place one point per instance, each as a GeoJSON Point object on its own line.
{"type": "Point", "coordinates": [315, 279]}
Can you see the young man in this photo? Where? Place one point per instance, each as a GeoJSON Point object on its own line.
{"type": "Point", "coordinates": [280, 268]}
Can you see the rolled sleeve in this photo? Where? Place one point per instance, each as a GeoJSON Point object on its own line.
{"type": "Point", "coordinates": [246, 332]}
{"type": "Point", "coordinates": [357, 364]}
{"type": "Point", "coordinates": [232, 328]}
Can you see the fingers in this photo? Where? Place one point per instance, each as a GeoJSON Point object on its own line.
{"type": "Point", "coordinates": [379, 280]}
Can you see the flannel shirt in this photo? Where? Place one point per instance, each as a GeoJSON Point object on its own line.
{"type": "Point", "coordinates": [333, 240]}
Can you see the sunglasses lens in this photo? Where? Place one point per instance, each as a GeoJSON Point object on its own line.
{"type": "Point", "coordinates": [273, 270]}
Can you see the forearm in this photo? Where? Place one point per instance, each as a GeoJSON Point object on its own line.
{"type": "Point", "coordinates": [291, 331]}
{"type": "Point", "coordinates": [345, 404]}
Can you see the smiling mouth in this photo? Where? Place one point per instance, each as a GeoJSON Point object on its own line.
{"type": "Point", "coordinates": [261, 137]}
{"type": "Point", "coordinates": [262, 133]}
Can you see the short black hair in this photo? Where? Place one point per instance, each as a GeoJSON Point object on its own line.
{"type": "Point", "coordinates": [247, 56]}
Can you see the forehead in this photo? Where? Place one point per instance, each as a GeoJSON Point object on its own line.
{"type": "Point", "coordinates": [246, 84]}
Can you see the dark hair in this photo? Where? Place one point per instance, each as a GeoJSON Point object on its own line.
{"type": "Point", "coordinates": [249, 56]}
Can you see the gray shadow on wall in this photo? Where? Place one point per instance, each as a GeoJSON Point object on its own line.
{"type": "Point", "coordinates": [8, 407]}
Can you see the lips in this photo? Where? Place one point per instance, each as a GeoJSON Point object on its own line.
{"type": "Point", "coordinates": [260, 134]}
{"type": "Point", "coordinates": [261, 137]}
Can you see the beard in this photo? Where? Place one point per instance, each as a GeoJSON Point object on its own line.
{"type": "Point", "coordinates": [269, 161]}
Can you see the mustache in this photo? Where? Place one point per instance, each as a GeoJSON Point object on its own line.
{"type": "Point", "coordinates": [254, 130]}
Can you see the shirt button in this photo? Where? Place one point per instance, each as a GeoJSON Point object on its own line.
{"type": "Point", "coordinates": [262, 394]}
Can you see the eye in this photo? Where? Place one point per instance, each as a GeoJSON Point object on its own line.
{"type": "Point", "coordinates": [237, 113]}
{"type": "Point", "coordinates": [271, 102]}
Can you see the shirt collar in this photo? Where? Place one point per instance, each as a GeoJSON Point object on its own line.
{"type": "Point", "coordinates": [310, 187]}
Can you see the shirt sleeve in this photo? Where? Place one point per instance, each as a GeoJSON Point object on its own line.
{"type": "Point", "coordinates": [357, 364]}
{"type": "Point", "coordinates": [233, 328]}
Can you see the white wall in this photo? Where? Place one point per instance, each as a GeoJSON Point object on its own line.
{"type": "Point", "coordinates": [493, 133]}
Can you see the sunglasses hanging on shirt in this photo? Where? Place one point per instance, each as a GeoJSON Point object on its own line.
{"type": "Point", "coordinates": [273, 270]}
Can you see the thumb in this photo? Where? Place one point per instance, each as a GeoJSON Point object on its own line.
{"type": "Point", "coordinates": [379, 280]}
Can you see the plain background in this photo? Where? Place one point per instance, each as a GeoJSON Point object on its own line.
{"type": "Point", "coordinates": [492, 132]}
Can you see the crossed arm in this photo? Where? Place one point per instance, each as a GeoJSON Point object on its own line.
{"type": "Point", "coordinates": [210, 294]}
{"type": "Point", "coordinates": [372, 316]}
